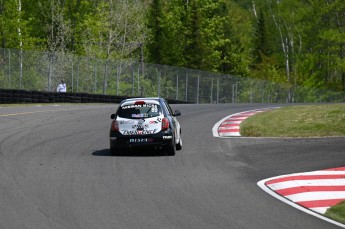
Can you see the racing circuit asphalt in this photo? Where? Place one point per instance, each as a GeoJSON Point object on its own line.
{"type": "Point", "coordinates": [56, 172]}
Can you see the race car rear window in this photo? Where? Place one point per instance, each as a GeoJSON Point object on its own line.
{"type": "Point", "coordinates": [137, 111]}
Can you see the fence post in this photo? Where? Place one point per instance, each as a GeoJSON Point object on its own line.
{"type": "Point", "coordinates": [177, 87]}
{"type": "Point", "coordinates": [217, 90]}
{"type": "Point", "coordinates": [138, 80]}
{"type": "Point", "coordinates": [236, 94]}
{"type": "Point", "coordinates": [9, 68]}
{"type": "Point", "coordinates": [262, 96]}
{"type": "Point", "coordinates": [78, 75]}
{"type": "Point", "coordinates": [186, 95]}
{"type": "Point", "coordinates": [50, 59]}
{"type": "Point", "coordinates": [95, 76]}
{"type": "Point", "coordinates": [132, 72]}
{"type": "Point", "coordinates": [72, 83]}
{"type": "Point", "coordinates": [159, 83]}
{"type": "Point", "coordinates": [197, 90]}
{"type": "Point", "coordinates": [20, 66]}
{"type": "Point", "coordinates": [232, 94]}
{"type": "Point", "coordinates": [251, 95]}
{"type": "Point", "coordinates": [211, 95]}
{"type": "Point", "coordinates": [118, 72]}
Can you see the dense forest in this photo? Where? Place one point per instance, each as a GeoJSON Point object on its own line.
{"type": "Point", "coordinates": [290, 42]}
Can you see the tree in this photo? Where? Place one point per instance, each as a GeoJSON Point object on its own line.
{"type": "Point", "coordinates": [201, 34]}
{"type": "Point", "coordinates": [237, 40]}
{"type": "Point", "coordinates": [328, 45]}
{"type": "Point", "coordinates": [155, 26]}
{"type": "Point", "coordinates": [13, 32]}
{"type": "Point", "coordinates": [114, 32]}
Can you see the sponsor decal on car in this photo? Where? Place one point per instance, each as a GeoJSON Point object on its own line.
{"type": "Point", "coordinates": [153, 106]}
{"type": "Point", "coordinates": [140, 140]}
{"type": "Point", "coordinates": [167, 137]}
{"type": "Point", "coordinates": [127, 122]}
{"type": "Point", "coordinates": [131, 106]}
{"type": "Point", "coordinates": [139, 132]}
{"type": "Point", "coordinates": [140, 126]}
{"type": "Point", "coordinates": [140, 115]}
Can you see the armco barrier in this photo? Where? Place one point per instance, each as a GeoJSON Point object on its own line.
{"type": "Point", "coordinates": [11, 96]}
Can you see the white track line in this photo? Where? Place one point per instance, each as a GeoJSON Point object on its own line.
{"type": "Point", "coordinates": [317, 212]}
{"type": "Point", "coordinates": [235, 121]}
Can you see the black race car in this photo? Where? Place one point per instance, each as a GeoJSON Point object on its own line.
{"type": "Point", "coordinates": [145, 122]}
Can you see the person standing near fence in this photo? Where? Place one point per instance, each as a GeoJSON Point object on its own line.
{"type": "Point", "coordinates": [61, 87]}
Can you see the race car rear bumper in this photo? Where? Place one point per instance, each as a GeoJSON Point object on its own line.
{"type": "Point", "coordinates": [160, 140]}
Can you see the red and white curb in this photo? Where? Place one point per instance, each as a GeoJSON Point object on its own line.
{"type": "Point", "coordinates": [230, 125]}
{"type": "Point", "coordinates": [311, 192]}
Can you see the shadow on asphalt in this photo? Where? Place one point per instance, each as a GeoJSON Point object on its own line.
{"type": "Point", "coordinates": [131, 153]}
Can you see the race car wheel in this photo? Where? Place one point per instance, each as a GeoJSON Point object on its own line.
{"type": "Point", "coordinates": [113, 151]}
{"type": "Point", "coordinates": [171, 149]}
{"type": "Point", "coordinates": [179, 144]}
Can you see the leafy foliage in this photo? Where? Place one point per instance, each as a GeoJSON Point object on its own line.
{"type": "Point", "coordinates": [290, 42]}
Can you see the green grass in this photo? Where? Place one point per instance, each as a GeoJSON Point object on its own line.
{"type": "Point", "coordinates": [297, 121]}
{"type": "Point", "coordinates": [337, 212]}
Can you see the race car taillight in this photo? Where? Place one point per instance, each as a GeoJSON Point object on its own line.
{"type": "Point", "coordinates": [115, 126]}
{"type": "Point", "coordinates": [165, 124]}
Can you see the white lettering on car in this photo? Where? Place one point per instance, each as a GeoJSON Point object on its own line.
{"type": "Point", "coordinates": [138, 132]}
{"type": "Point", "coordinates": [140, 126]}
{"type": "Point", "coordinates": [127, 122]}
{"type": "Point", "coordinates": [140, 140]}
{"type": "Point", "coordinates": [131, 106]}
{"type": "Point", "coordinates": [140, 115]}
{"type": "Point", "coordinates": [154, 106]}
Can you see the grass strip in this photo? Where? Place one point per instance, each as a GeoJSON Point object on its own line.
{"type": "Point", "coordinates": [337, 212]}
{"type": "Point", "coordinates": [297, 121]}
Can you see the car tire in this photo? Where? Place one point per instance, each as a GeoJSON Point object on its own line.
{"type": "Point", "coordinates": [171, 149]}
{"type": "Point", "coordinates": [179, 144]}
{"type": "Point", "coordinates": [113, 151]}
